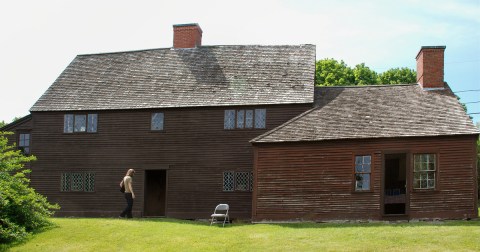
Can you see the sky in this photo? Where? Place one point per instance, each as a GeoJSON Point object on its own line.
{"type": "Point", "coordinates": [38, 39]}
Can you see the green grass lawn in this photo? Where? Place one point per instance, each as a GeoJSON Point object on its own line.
{"type": "Point", "coordinates": [85, 234]}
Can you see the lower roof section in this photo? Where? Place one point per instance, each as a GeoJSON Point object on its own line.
{"type": "Point", "coordinates": [375, 112]}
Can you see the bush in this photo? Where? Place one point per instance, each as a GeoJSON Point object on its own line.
{"type": "Point", "coordinates": [22, 210]}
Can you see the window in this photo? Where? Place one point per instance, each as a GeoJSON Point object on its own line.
{"type": "Point", "coordinates": [24, 143]}
{"type": "Point", "coordinates": [362, 173]}
{"type": "Point", "coordinates": [237, 181]}
{"type": "Point", "coordinates": [80, 123]}
{"type": "Point", "coordinates": [78, 182]}
{"type": "Point", "coordinates": [245, 119]}
{"type": "Point", "coordinates": [424, 169]}
{"type": "Point", "coordinates": [157, 121]}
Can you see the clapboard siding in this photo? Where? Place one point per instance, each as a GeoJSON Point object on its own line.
{"type": "Point", "coordinates": [314, 180]}
{"type": "Point", "coordinates": [193, 148]}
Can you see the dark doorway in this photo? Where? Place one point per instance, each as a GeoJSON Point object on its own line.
{"type": "Point", "coordinates": [395, 184]}
{"type": "Point", "coordinates": [155, 188]}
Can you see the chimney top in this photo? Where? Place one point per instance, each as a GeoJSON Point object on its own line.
{"type": "Point", "coordinates": [430, 67]}
{"type": "Point", "coordinates": [187, 35]}
{"type": "Point", "coordinates": [429, 47]}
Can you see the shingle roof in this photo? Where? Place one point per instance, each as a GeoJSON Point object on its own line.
{"type": "Point", "coordinates": [204, 76]}
{"type": "Point", "coordinates": [375, 112]}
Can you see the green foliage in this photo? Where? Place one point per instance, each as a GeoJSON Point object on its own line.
{"type": "Point", "coordinates": [402, 75]}
{"type": "Point", "coordinates": [364, 75]}
{"type": "Point", "coordinates": [22, 210]}
{"type": "Point", "coordinates": [330, 72]}
{"type": "Point", "coordinates": [2, 123]}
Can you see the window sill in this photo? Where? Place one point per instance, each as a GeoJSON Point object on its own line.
{"type": "Point", "coordinates": [369, 191]}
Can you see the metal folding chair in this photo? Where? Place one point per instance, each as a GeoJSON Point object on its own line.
{"type": "Point", "coordinates": [220, 214]}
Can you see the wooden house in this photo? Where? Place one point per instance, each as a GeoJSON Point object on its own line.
{"type": "Point", "coordinates": [371, 153]}
{"type": "Point", "coordinates": [184, 118]}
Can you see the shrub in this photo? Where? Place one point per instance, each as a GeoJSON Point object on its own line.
{"type": "Point", "coordinates": [22, 210]}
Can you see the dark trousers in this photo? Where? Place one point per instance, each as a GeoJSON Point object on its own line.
{"type": "Point", "coordinates": [128, 210]}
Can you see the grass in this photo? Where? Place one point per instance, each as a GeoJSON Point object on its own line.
{"type": "Point", "coordinates": [85, 234]}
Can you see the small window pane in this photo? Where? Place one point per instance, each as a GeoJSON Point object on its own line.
{"type": "Point", "coordinates": [68, 123]}
{"type": "Point", "coordinates": [362, 182]}
{"type": "Point", "coordinates": [24, 143]}
{"type": "Point", "coordinates": [248, 119]}
{"type": "Point", "coordinates": [229, 120]}
{"type": "Point", "coordinates": [358, 168]}
{"type": "Point", "coordinates": [242, 181]}
{"type": "Point", "coordinates": [260, 118]}
{"type": "Point", "coordinates": [89, 182]}
{"type": "Point", "coordinates": [80, 123]}
{"type": "Point", "coordinates": [65, 181]}
{"type": "Point", "coordinates": [157, 121]}
{"type": "Point", "coordinates": [228, 181]}
{"type": "Point", "coordinates": [358, 159]}
{"type": "Point", "coordinates": [251, 181]}
{"type": "Point", "coordinates": [366, 168]}
{"type": "Point", "coordinates": [77, 181]}
{"type": "Point", "coordinates": [92, 123]}
{"type": "Point", "coordinates": [240, 119]}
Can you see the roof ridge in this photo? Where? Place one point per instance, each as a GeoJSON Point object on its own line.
{"type": "Point", "coordinates": [369, 86]}
{"type": "Point", "coordinates": [283, 125]}
{"type": "Point", "coordinates": [200, 47]}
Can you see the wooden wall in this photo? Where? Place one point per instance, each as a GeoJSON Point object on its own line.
{"type": "Point", "coordinates": [314, 181]}
{"type": "Point", "coordinates": [193, 148]}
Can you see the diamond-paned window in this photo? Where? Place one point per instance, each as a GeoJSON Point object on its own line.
{"type": "Point", "coordinates": [245, 119]}
{"type": "Point", "coordinates": [242, 181]}
{"type": "Point", "coordinates": [228, 181]}
{"type": "Point", "coordinates": [77, 182]}
{"type": "Point", "coordinates": [251, 181]}
{"type": "Point", "coordinates": [68, 123]}
{"type": "Point", "coordinates": [240, 119]}
{"type": "Point", "coordinates": [157, 121]}
{"type": "Point", "coordinates": [229, 120]}
{"type": "Point", "coordinates": [92, 123]}
{"type": "Point", "coordinates": [260, 118]}
{"type": "Point", "coordinates": [248, 119]}
{"type": "Point", "coordinates": [237, 181]}
{"type": "Point", "coordinates": [89, 182]}
{"type": "Point", "coordinates": [80, 123]}
{"type": "Point", "coordinates": [65, 182]}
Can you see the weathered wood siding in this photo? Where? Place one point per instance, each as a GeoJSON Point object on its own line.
{"type": "Point", "coordinates": [314, 181]}
{"type": "Point", "coordinates": [194, 148]}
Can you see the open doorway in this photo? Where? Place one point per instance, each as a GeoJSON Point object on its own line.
{"type": "Point", "coordinates": [395, 184]}
{"type": "Point", "coordinates": [155, 191]}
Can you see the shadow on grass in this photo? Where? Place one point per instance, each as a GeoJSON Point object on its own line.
{"type": "Point", "coordinates": [303, 225]}
{"type": "Point", "coordinates": [7, 246]}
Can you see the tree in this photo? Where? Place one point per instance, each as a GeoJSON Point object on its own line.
{"type": "Point", "coordinates": [330, 72]}
{"type": "Point", "coordinates": [22, 210]}
{"type": "Point", "coordinates": [364, 75]}
{"type": "Point", "coordinates": [2, 123]}
{"type": "Point", "coordinates": [402, 75]}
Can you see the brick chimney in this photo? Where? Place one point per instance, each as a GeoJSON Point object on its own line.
{"type": "Point", "coordinates": [430, 65]}
{"type": "Point", "coordinates": [187, 35]}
